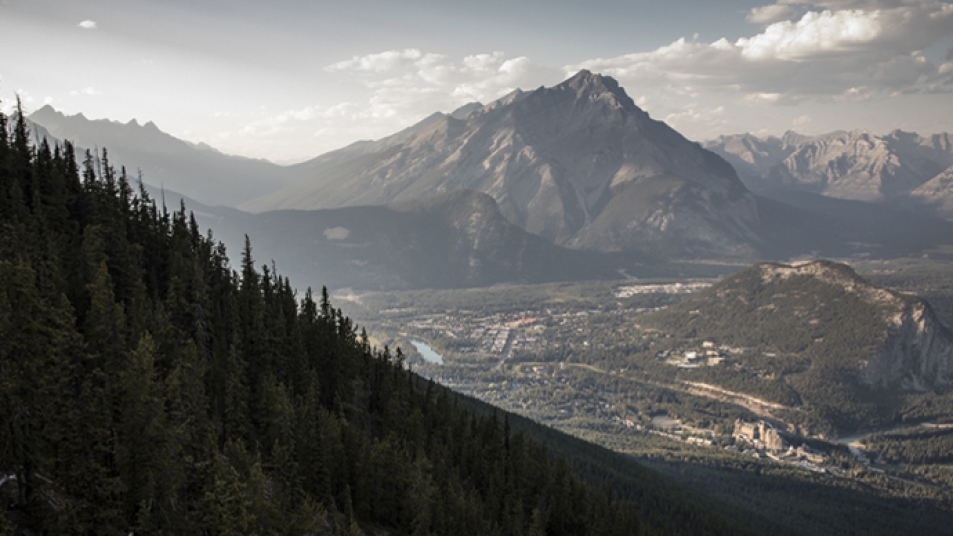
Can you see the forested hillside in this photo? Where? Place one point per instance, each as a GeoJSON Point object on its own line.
{"type": "Point", "coordinates": [147, 387]}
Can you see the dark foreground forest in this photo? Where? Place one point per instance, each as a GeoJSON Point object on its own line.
{"type": "Point", "coordinates": [147, 387]}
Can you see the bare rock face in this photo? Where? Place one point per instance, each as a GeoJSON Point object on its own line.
{"type": "Point", "coordinates": [915, 352]}
{"type": "Point", "coordinates": [853, 165]}
{"type": "Point", "coordinates": [916, 355]}
{"type": "Point", "coordinates": [578, 163]}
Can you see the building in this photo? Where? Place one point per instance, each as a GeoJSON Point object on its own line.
{"type": "Point", "coordinates": [760, 434]}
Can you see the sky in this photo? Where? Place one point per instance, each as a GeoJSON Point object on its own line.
{"type": "Point", "coordinates": [288, 80]}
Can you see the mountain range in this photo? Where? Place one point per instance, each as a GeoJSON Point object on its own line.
{"type": "Point", "coordinates": [577, 165]}
{"type": "Point", "coordinates": [856, 165]}
{"type": "Point", "coordinates": [196, 170]}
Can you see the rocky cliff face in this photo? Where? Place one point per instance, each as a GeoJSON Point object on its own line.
{"type": "Point", "coordinates": [916, 355]}
{"type": "Point", "coordinates": [578, 163]}
{"type": "Point", "coordinates": [847, 165]}
{"type": "Point", "coordinates": [914, 352]}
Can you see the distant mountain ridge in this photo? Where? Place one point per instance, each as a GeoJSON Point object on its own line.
{"type": "Point", "coordinates": [197, 170]}
{"type": "Point", "coordinates": [854, 165]}
{"type": "Point", "coordinates": [578, 163]}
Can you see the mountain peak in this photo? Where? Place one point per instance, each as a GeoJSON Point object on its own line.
{"type": "Point", "coordinates": [47, 111]}
{"type": "Point", "coordinates": [593, 85]}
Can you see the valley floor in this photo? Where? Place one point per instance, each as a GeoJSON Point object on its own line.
{"type": "Point", "coordinates": [574, 357]}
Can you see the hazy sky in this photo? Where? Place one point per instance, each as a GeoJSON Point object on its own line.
{"type": "Point", "coordinates": [290, 79]}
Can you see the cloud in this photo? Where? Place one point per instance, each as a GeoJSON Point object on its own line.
{"type": "Point", "coordinates": [765, 99]}
{"type": "Point", "coordinates": [410, 83]}
{"type": "Point", "coordinates": [400, 87]}
{"type": "Point", "coordinates": [769, 14]}
{"type": "Point", "coordinates": [823, 56]}
{"type": "Point", "coordinates": [712, 119]}
{"type": "Point", "coordinates": [88, 25]}
{"type": "Point", "coordinates": [801, 121]}
{"type": "Point", "coordinates": [382, 62]}
{"type": "Point", "coordinates": [91, 91]}
{"type": "Point", "coordinates": [816, 33]}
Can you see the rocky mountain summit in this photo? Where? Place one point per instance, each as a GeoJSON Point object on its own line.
{"type": "Point", "coordinates": [578, 163]}
{"type": "Point", "coordinates": [854, 165]}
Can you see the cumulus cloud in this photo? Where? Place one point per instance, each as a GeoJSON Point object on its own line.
{"type": "Point", "coordinates": [401, 87]}
{"type": "Point", "coordinates": [410, 84]}
{"type": "Point", "coordinates": [769, 14]}
{"type": "Point", "coordinates": [87, 24]}
{"type": "Point", "coordinates": [801, 121]}
{"type": "Point", "coordinates": [815, 33]}
{"type": "Point", "coordinates": [691, 116]}
{"type": "Point", "coordinates": [412, 72]}
{"type": "Point", "coordinates": [382, 62]}
{"type": "Point", "coordinates": [826, 54]}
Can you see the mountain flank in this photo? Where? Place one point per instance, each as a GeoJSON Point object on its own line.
{"type": "Point", "coordinates": [817, 338]}
{"type": "Point", "coordinates": [937, 194]}
{"type": "Point", "coordinates": [451, 240]}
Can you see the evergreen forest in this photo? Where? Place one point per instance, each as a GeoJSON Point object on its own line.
{"type": "Point", "coordinates": [147, 387]}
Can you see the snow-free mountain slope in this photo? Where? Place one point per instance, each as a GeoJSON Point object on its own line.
{"type": "Point", "coordinates": [578, 163]}
{"type": "Point", "coordinates": [854, 165]}
{"type": "Point", "coordinates": [818, 339]}
{"type": "Point", "coordinates": [451, 240]}
{"type": "Point", "coordinates": [937, 193]}
{"type": "Point", "coordinates": [196, 170]}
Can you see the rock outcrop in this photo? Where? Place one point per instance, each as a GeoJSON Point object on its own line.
{"type": "Point", "coordinates": [917, 353]}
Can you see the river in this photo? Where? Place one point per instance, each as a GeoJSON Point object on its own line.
{"type": "Point", "coordinates": [846, 440]}
{"type": "Point", "coordinates": [426, 351]}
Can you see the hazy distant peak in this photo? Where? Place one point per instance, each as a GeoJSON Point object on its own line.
{"type": "Point", "coordinates": [46, 110]}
